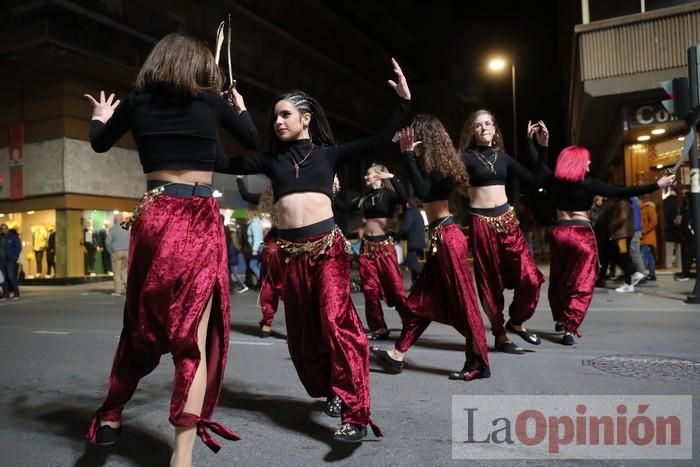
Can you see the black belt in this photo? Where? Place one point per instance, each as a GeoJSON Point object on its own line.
{"type": "Point", "coordinates": [442, 221]}
{"type": "Point", "coordinates": [376, 238]}
{"type": "Point", "coordinates": [573, 222]}
{"type": "Point", "coordinates": [491, 212]}
{"type": "Point", "coordinates": [181, 190]}
{"type": "Point", "coordinates": [311, 230]}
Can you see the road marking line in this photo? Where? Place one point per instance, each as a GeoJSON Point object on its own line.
{"type": "Point", "coordinates": [234, 341]}
{"type": "Point", "coordinates": [59, 333]}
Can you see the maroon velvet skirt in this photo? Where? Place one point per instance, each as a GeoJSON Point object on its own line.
{"type": "Point", "coordinates": [381, 280]}
{"type": "Point", "coordinates": [573, 272]}
{"type": "Point", "coordinates": [177, 262]}
{"type": "Point", "coordinates": [271, 284]}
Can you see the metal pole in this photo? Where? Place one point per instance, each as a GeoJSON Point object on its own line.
{"type": "Point", "coordinates": [694, 173]}
{"type": "Point", "coordinates": [516, 181]}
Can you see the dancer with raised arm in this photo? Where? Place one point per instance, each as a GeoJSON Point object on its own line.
{"type": "Point", "coordinates": [574, 255]}
{"type": "Point", "coordinates": [444, 291]}
{"type": "Point", "coordinates": [326, 340]}
{"type": "Point", "coordinates": [177, 297]}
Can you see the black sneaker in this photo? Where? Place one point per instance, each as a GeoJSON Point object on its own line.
{"type": "Point", "coordinates": [567, 339]}
{"type": "Point", "coordinates": [350, 433]}
{"type": "Point", "coordinates": [334, 406]}
{"type": "Point", "coordinates": [681, 277]}
{"type": "Point", "coordinates": [389, 364]}
{"type": "Point", "coordinates": [651, 278]}
{"type": "Point", "coordinates": [558, 327]}
{"type": "Point", "coordinates": [107, 436]}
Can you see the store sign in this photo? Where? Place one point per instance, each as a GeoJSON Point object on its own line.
{"type": "Point", "coordinates": [647, 114]}
{"type": "Point", "coordinates": [16, 155]}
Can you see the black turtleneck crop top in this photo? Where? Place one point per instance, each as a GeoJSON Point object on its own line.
{"type": "Point", "coordinates": [247, 196]}
{"type": "Point", "coordinates": [428, 189]}
{"type": "Point", "coordinates": [317, 164]}
{"type": "Point", "coordinates": [488, 166]}
{"type": "Point", "coordinates": [578, 196]}
{"type": "Point", "coordinates": [174, 132]}
{"type": "Point", "coordinates": [376, 204]}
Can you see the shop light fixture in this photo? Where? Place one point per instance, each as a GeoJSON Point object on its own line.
{"type": "Point", "coordinates": [681, 138]}
{"type": "Point", "coordinates": [643, 138]}
{"type": "Point", "coordinates": [659, 166]}
{"type": "Point", "coordinates": [217, 194]}
{"type": "Point", "coordinates": [541, 190]}
{"type": "Point", "coordinates": [2, 215]}
{"type": "Point", "coordinates": [30, 212]}
{"type": "Point", "coordinates": [658, 131]}
{"type": "Point", "coordinates": [115, 212]}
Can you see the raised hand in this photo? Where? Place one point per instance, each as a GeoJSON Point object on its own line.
{"type": "Point", "coordinates": [104, 109]}
{"type": "Point", "coordinates": [407, 139]}
{"type": "Point", "coordinates": [235, 98]}
{"type": "Point", "coordinates": [542, 134]}
{"type": "Point", "coordinates": [531, 129]}
{"type": "Point", "coordinates": [400, 85]}
{"type": "Point", "coordinates": [666, 181]}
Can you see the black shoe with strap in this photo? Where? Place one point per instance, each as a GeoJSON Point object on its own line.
{"type": "Point", "coordinates": [350, 433]}
{"type": "Point", "coordinates": [567, 339]}
{"type": "Point", "coordinates": [509, 347]}
{"type": "Point", "coordinates": [334, 406]}
{"type": "Point", "coordinates": [390, 365]}
{"type": "Point", "coordinates": [529, 337]}
{"type": "Point", "coordinates": [469, 374]}
{"type": "Point", "coordinates": [107, 436]}
{"type": "Point", "coordinates": [377, 335]}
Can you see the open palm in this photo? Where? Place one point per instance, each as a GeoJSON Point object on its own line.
{"type": "Point", "coordinates": [104, 109]}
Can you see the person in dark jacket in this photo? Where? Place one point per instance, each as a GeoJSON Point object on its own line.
{"type": "Point", "coordinates": [11, 250]}
{"type": "Point", "coordinates": [413, 231]}
{"type": "Point", "coordinates": [672, 233]}
{"type": "Point", "coordinates": [688, 253]}
{"type": "Point", "coordinates": [621, 228]}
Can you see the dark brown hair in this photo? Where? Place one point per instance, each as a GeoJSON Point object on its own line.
{"type": "Point", "coordinates": [180, 64]}
{"type": "Point", "coordinates": [437, 155]}
{"type": "Point", "coordinates": [466, 138]}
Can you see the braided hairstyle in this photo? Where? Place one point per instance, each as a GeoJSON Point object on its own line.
{"type": "Point", "coordinates": [319, 129]}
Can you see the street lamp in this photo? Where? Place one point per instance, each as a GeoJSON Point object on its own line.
{"type": "Point", "coordinates": [497, 65]}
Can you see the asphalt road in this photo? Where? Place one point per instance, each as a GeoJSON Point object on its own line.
{"type": "Point", "coordinates": [56, 347]}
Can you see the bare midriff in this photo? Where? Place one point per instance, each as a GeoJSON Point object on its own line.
{"type": "Point", "coordinates": [297, 210]}
{"type": "Point", "coordinates": [436, 210]}
{"type": "Point", "coordinates": [487, 197]}
{"type": "Point", "coordinates": [189, 177]}
{"type": "Point", "coordinates": [376, 226]}
{"type": "Point", "coordinates": [574, 215]}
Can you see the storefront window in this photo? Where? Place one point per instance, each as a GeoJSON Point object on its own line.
{"type": "Point", "coordinates": [37, 232]}
{"type": "Point", "coordinates": [95, 225]}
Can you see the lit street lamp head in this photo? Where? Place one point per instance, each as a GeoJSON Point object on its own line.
{"type": "Point", "coordinates": [497, 64]}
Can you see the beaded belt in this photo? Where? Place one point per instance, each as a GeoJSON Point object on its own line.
{"type": "Point", "coordinates": [313, 249]}
{"type": "Point", "coordinates": [178, 190]}
{"type": "Point", "coordinates": [372, 249]}
{"type": "Point", "coordinates": [505, 223]}
{"type": "Point", "coordinates": [435, 234]}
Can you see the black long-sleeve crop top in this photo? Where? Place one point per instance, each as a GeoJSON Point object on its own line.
{"type": "Point", "coordinates": [317, 164]}
{"type": "Point", "coordinates": [376, 204]}
{"type": "Point", "coordinates": [477, 160]}
{"type": "Point", "coordinates": [174, 132]}
{"type": "Point", "coordinates": [578, 196]}
{"type": "Point", "coordinates": [426, 188]}
{"type": "Point", "coordinates": [247, 196]}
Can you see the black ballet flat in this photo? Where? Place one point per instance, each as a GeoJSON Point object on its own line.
{"type": "Point", "coordinates": [263, 334]}
{"type": "Point", "coordinates": [558, 327]}
{"type": "Point", "coordinates": [334, 406]}
{"type": "Point", "coordinates": [567, 339]}
{"type": "Point", "coordinates": [350, 433]}
{"type": "Point", "coordinates": [470, 374]}
{"type": "Point", "coordinates": [529, 337]}
{"type": "Point", "coordinates": [377, 336]}
{"type": "Point", "coordinates": [107, 436]}
{"type": "Point", "coordinates": [509, 347]}
{"type": "Point", "coordinates": [390, 365]}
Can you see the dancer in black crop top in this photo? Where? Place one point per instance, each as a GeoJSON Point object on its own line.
{"type": "Point", "coordinates": [574, 258]}
{"type": "Point", "coordinates": [174, 116]}
{"type": "Point", "coordinates": [502, 257]}
{"type": "Point", "coordinates": [379, 267]}
{"type": "Point", "coordinates": [326, 339]}
{"type": "Point", "coordinates": [444, 291]}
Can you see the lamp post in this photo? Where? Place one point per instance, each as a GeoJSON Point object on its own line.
{"type": "Point", "coordinates": [497, 65]}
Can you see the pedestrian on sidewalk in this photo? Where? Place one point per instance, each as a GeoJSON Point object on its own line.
{"type": "Point", "coordinates": [117, 244]}
{"type": "Point", "coordinates": [11, 249]}
{"type": "Point", "coordinates": [648, 240]}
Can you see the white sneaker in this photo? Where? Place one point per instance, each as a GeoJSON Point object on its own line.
{"type": "Point", "coordinates": [636, 277]}
{"type": "Point", "coordinates": [244, 289]}
{"type": "Point", "coordinates": [625, 288]}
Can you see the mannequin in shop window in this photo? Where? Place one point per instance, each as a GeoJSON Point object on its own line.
{"type": "Point", "coordinates": [40, 238]}
{"type": "Point", "coordinates": [105, 255]}
{"type": "Point", "coordinates": [51, 251]}
{"type": "Point", "coordinates": [89, 247]}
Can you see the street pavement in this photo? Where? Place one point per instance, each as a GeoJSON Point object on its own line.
{"type": "Point", "coordinates": [56, 347]}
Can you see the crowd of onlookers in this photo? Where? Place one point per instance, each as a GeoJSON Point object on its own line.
{"type": "Point", "coordinates": [10, 249]}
